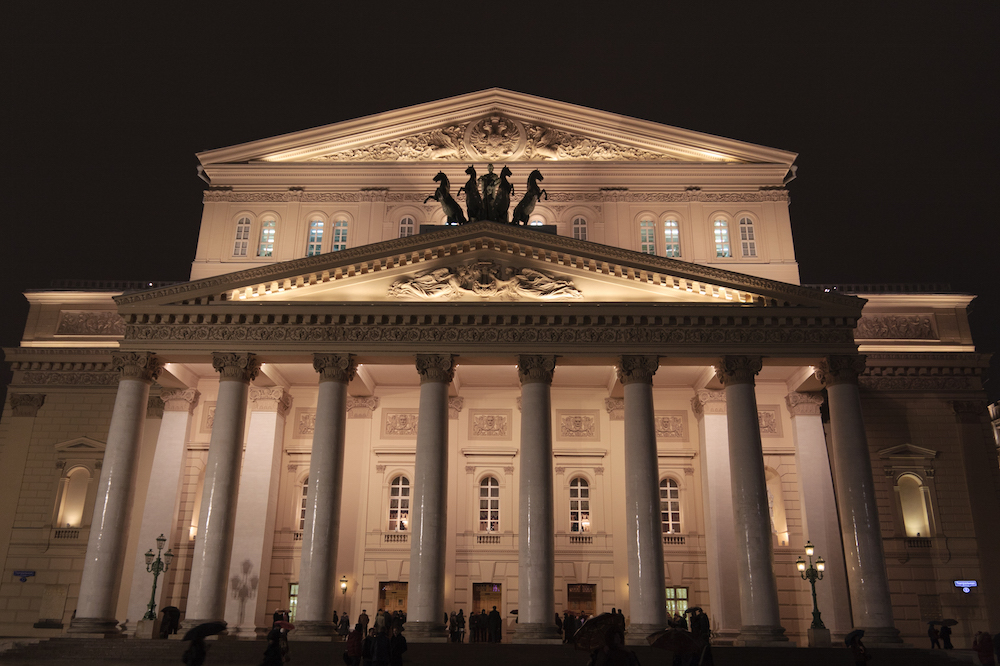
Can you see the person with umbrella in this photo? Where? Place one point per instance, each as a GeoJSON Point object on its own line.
{"type": "Point", "coordinates": [197, 651]}
{"type": "Point", "coordinates": [273, 653]}
{"type": "Point", "coordinates": [613, 652]}
{"type": "Point", "coordinates": [932, 633]}
{"type": "Point", "coordinates": [858, 649]}
{"type": "Point", "coordinates": [946, 626]}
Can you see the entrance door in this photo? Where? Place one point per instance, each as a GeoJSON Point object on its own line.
{"type": "Point", "coordinates": [485, 596]}
{"type": "Point", "coordinates": [582, 598]}
{"type": "Point", "coordinates": [392, 596]}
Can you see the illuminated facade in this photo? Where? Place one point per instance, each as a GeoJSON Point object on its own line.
{"type": "Point", "coordinates": [629, 403]}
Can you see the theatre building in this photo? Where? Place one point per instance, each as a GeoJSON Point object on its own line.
{"type": "Point", "coordinates": [629, 401]}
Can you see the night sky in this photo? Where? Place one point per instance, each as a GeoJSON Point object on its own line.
{"type": "Point", "coordinates": [894, 115]}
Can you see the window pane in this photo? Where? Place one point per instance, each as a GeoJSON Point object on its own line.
{"type": "Point", "coordinates": [672, 238]}
{"type": "Point", "coordinates": [722, 248]}
{"type": "Point", "coordinates": [647, 236]}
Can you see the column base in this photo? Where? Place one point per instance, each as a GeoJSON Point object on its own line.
{"type": "Point", "coordinates": [425, 632]}
{"type": "Point", "coordinates": [313, 630]}
{"type": "Point", "coordinates": [762, 636]}
{"type": "Point", "coordinates": [637, 633]}
{"type": "Point", "coordinates": [104, 627]}
{"type": "Point", "coordinates": [819, 638]}
{"type": "Point", "coordinates": [882, 637]}
{"type": "Point", "coordinates": [536, 633]}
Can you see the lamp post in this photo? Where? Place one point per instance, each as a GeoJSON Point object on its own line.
{"type": "Point", "coordinates": [812, 574]}
{"type": "Point", "coordinates": [343, 589]}
{"type": "Point", "coordinates": [156, 567]}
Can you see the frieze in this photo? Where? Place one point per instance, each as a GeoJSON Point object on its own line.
{"type": "Point", "coordinates": [898, 327]}
{"type": "Point", "coordinates": [551, 144]}
{"type": "Point", "coordinates": [671, 425]}
{"type": "Point", "coordinates": [485, 279]}
{"type": "Point", "coordinates": [70, 378]}
{"type": "Point", "coordinates": [918, 383]}
{"type": "Point", "coordinates": [489, 424]}
{"type": "Point", "coordinates": [90, 322]}
{"type": "Point", "coordinates": [211, 196]}
{"type": "Point", "coordinates": [578, 425]}
{"type": "Point", "coordinates": [400, 424]}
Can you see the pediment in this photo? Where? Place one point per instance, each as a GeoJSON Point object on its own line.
{"type": "Point", "coordinates": [496, 125]}
{"type": "Point", "coordinates": [80, 445]}
{"type": "Point", "coordinates": [907, 452]}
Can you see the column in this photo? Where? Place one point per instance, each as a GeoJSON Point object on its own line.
{"type": "Point", "coordinates": [102, 568]}
{"type": "Point", "coordinates": [536, 520]}
{"type": "Point", "coordinates": [717, 493]}
{"type": "Point", "coordinates": [256, 505]}
{"type": "Point", "coordinates": [819, 513]}
{"type": "Point", "coordinates": [317, 573]}
{"type": "Point", "coordinates": [217, 521]}
{"type": "Point", "coordinates": [646, 596]}
{"type": "Point", "coordinates": [871, 604]}
{"type": "Point", "coordinates": [159, 513]}
{"type": "Point", "coordinates": [429, 510]}
{"type": "Point", "coordinates": [761, 623]}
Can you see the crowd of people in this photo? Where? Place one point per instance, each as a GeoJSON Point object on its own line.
{"type": "Point", "coordinates": [381, 645]}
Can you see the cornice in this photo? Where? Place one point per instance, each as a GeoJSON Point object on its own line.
{"type": "Point", "coordinates": [231, 196]}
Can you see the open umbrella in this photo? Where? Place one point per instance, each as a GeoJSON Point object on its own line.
{"type": "Point", "coordinates": [677, 641]}
{"type": "Point", "coordinates": [203, 630]}
{"type": "Point", "coordinates": [692, 609]}
{"type": "Point", "coordinates": [849, 638]}
{"type": "Point", "coordinates": [287, 626]}
{"type": "Point", "coordinates": [949, 623]}
{"type": "Point", "coordinates": [594, 632]}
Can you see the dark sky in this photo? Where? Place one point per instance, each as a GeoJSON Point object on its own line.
{"type": "Point", "coordinates": [893, 112]}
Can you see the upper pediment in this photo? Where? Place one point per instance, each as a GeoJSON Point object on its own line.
{"type": "Point", "coordinates": [498, 125]}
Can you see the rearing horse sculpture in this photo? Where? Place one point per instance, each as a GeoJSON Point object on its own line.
{"type": "Point", "coordinates": [448, 204]}
{"type": "Point", "coordinates": [501, 204]}
{"type": "Point", "coordinates": [522, 211]}
{"type": "Point", "coordinates": [474, 207]}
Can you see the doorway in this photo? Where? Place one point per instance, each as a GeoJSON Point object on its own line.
{"type": "Point", "coordinates": [582, 598]}
{"type": "Point", "coordinates": [392, 596]}
{"type": "Point", "coordinates": [485, 596]}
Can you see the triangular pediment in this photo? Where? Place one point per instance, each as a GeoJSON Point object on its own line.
{"type": "Point", "coordinates": [499, 125]}
{"type": "Point", "coordinates": [80, 445]}
{"type": "Point", "coordinates": [909, 452]}
{"type": "Point", "coordinates": [488, 262]}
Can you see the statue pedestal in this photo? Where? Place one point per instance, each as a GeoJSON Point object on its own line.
{"type": "Point", "coordinates": [147, 629]}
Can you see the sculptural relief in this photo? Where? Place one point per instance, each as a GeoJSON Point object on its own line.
{"type": "Point", "coordinates": [491, 424]}
{"type": "Point", "coordinates": [671, 425]}
{"type": "Point", "coordinates": [74, 322]}
{"type": "Point", "coordinates": [484, 279]}
{"type": "Point", "coordinates": [578, 425]}
{"type": "Point", "coordinates": [400, 424]}
{"type": "Point", "coordinates": [900, 327]}
{"type": "Point", "coordinates": [769, 418]}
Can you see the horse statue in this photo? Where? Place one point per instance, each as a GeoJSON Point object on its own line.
{"type": "Point", "coordinates": [522, 211]}
{"type": "Point", "coordinates": [474, 207]}
{"type": "Point", "coordinates": [501, 204]}
{"type": "Point", "coordinates": [448, 204]}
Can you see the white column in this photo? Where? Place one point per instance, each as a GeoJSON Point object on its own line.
{"type": "Point", "coordinates": [256, 506]}
{"type": "Point", "coordinates": [536, 528]}
{"type": "Point", "coordinates": [717, 494]}
{"type": "Point", "coordinates": [105, 557]}
{"type": "Point", "coordinates": [159, 513]}
{"type": "Point", "coordinates": [213, 546]}
{"type": "Point", "coordinates": [871, 604]}
{"type": "Point", "coordinates": [646, 595]}
{"type": "Point", "coordinates": [429, 509]}
{"type": "Point", "coordinates": [819, 510]}
{"type": "Point", "coordinates": [761, 620]}
{"type": "Point", "coordinates": [317, 573]}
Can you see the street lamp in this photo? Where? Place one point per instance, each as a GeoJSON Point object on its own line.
{"type": "Point", "coordinates": [156, 565]}
{"type": "Point", "coordinates": [812, 574]}
{"type": "Point", "coordinates": [343, 588]}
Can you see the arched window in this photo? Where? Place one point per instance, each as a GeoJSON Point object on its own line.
{"type": "Point", "coordinates": [748, 241]}
{"type": "Point", "coordinates": [399, 504]}
{"type": "Point", "coordinates": [722, 247]}
{"type": "Point", "coordinates": [339, 235]}
{"type": "Point", "coordinates": [268, 230]}
{"type": "Point", "coordinates": [242, 237]}
{"type": "Point", "coordinates": [536, 221]}
{"type": "Point", "coordinates": [647, 236]}
{"type": "Point", "coordinates": [913, 502]}
{"type": "Point", "coordinates": [304, 498]}
{"type": "Point", "coordinates": [489, 505]}
{"type": "Point", "coordinates": [74, 498]}
{"type": "Point", "coordinates": [670, 506]}
{"type": "Point", "coordinates": [580, 227]}
{"type": "Point", "coordinates": [315, 246]}
{"type": "Point", "coordinates": [579, 505]}
{"type": "Point", "coordinates": [671, 238]}
{"type": "Point", "coordinates": [407, 226]}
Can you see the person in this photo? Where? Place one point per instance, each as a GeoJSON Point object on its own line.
{"type": "Point", "coordinates": [983, 645]}
{"type": "Point", "coordinates": [380, 652]}
{"type": "Point", "coordinates": [345, 625]}
{"type": "Point", "coordinates": [932, 633]}
{"type": "Point", "coordinates": [380, 625]}
{"type": "Point", "coordinates": [452, 628]}
{"type": "Point", "coordinates": [559, 623]}
{"type": "Point", "coordinates": [368, 649]}
{"type": "Point", "coordinates": [614, 653]}
{"type": "Point", "coordinates": [397, 646]}
{"type": "Point", "coordinates": [196, 652]}
{"type": "Point", "coordinates": [680, 622]}
{"type": "Point", "coordinates": [484, 626]}
{"type": "Point", "coordinates": [460, 619]}
{"type": "Point", "coordinates": [495, 623]}
{"type": "Point", "coordinates": [859, 652]}
{"type": "Point", "coordinates": [336, 619]}
{"type": "Point", "coordinates": [354, 640]}
{"type": "Point", "coordinates": [363, 621]}
{"type": "Point", "coordinates": [946, 637]}
{"type": "Point", "coordinates": [273, 654]}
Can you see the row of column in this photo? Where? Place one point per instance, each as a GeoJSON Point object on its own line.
{"type": "Point", "coordinates": [739, 562]}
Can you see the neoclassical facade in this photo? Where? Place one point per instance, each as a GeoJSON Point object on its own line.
{"type": "Point", "coordinates": [629, 402]}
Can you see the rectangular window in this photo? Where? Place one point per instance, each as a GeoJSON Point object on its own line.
{"type": "Point", "coordinates": [407, 226]}
{"type": "Point", "coordinates": [242, 237]}
{"type": "Point", "coordinates": [748, 241]}
{"type": "Point", "coordinates": [580, 228]}
{"type": "Point", "coordinates": [339, 236]}
{"type": "Point", "coordinates": [722, 248]}
{"type": "Point", "coordinates": [647, 236]}
{"type": "Point", "coordinates": [268, 230]}
{"type": "Point", "coordinates": [315, 238]}
{"type": "Point", "coordinates": [672, 238]}
{"type": "Point", "coordinates": [677, 600]}
{"type": "Point", "coordinates": [293, 600]}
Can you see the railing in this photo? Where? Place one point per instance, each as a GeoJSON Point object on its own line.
{"type": "Point", "coordinates": [110, 285]}
{"type": "Point", "coordinates": [575, 540]}
{"type": "Point", "coordinates": [890, 288]}
{"type": "Point", "coordinates": [673, 540]}
{"type": "Point", "coordinates": [66, 534]}
{"type": "Point", "coordinates": [395, 537]}
{"type": "Point", "coordinates": [488, 538]}
{"type": "Point", "coordinates": [918, 542]}
{"type": "Point", "coordinates": [296, 536]}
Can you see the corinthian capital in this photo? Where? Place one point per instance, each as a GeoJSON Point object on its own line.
{"type": "Point", "coordinates": [435, 367]}
{"type": "Point", "coordinates": [840, 370]}
{"type": "Point", "coordinates": [270, 399]}
{"type": "Point", "coordinates": [334, 367]}
{"type": "Point", "coordinates": [535, 369]}
{"type": "Point", "coordinates": [738, 369]}
{"type": "Point", "coordinates": [804, 404]}
{"type": "Point", "coordinates": [143, 366]}
{"type": "Point", "coordinates": [637, 369]}
{"type": "Point", "coordinates": [236, 367]}
{"type": "Point", "coordinates": [708, 401]}
{"type": "Point", "coordinates": [26, 404]}
{"type": "Point", "coordinates": [179, 400]}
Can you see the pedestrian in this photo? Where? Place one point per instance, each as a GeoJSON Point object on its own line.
{"type": "Point", "coordinates": [946, 637]}
{"type": "Point", "coordinates": [983, 645]}
{"type": "Point", "coordinates": [452, 628]}
{"type": "Point", "coordinates": [345, 625]}
{"type": "Point", "coordinates": [397, 646]}
{"type": "Point", "coordinates": [932, 633]}
{"type": "Point", "coordinates": [354, 641]}
{"type": "Point", "coordinates": [379, 622]}
{"type": "Point", "coordinates": [380, 653]}
{"type": "Point", "coordinates": [195, 654]}
{"type": "Point", "coordinates": [363, 621]}
{"type": "Point", "coordinates": [336, 620]}
{"type": "Point", "coordinates": [273, 655]}
{"type": "Point", "coordinates": [368, 649]}
{"type": "Point", "coordinates": [614, 653]}
{"type": "Point", "coordinates": [858, 651]}
{"type": "Point", "coordinates": [558, 623]}
{"type": "Point", "coordinates": [460, 618]}
{"type": "Point", "coordinates": [496, 623]}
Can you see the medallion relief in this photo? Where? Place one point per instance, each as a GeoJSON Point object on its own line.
{"type": "Point", "coordinates": [671, 425]}
{"type": "Point", "coordinates": [400, 424]}
{"type": "Point", "coordinates": [489, 425]}
{"type": "Point", "coordinates": [579, 425]}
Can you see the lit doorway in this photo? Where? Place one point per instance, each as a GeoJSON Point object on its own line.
{"type": "Point", "coordinates": [485, 596]}
{"type": "Point", "coordinates": [392, 596]}
{"type": "Point", "coordinates": [582, 598]}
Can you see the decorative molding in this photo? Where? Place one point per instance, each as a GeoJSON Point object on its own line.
{"type": "Point", "coordinates": [615, 408]}
{"type": "Point", "coordinates": [517, 401]}
{"type": "Point", "coordinates": [179, 400]}
{"type": "Point", "coordinates": [26, 404]}
{"type": "Point", "coordinates": [535, 369]}
{"type": "Point", "coordinates": [559, 469]}
{"type": "Point", "coordinates": [895, 327]}
{"type": "Point", "coordinates": [738, 369]}
{"type": "Point", "coordinates": [637, 369]}
{"type": "Point", "coordinates": [380, 468]}
{"type": "Point", "coordinates": [671, 425]}
{"type": "Point", "coordinates": [90, 322]}
{"type": "Point", "coordinates": [599, 470]}
{"type": "Point", "coordinates": [208, 417]}
{"type": "Point", "coordinates": [435, 367]}
{"type": "Point", "coordinates": [970, 411]}
{"type": "Point", "coordinates": [547, 143]}
{"type": "Point", "coordinates": [508, 469]}
{"type": "Point", "coordinates": [708, 401]}
{"type": "Point", "coordinates": [70, 378]}
{"type": "Point", "coordinates": [840, 370]}
{"type": "Point", "coordinates": [143, 366]}
{"type": "Point", "coordinates": [489, 424]}
{"type": "Point", "coordinates": [485, 279]}
{"type": "Point", "coordinates": [305, 423]}
{"type": "Point", "coordinates": [361, 408]}
{"type": "Point", "coordinates": [470, 469]}
{"type": "Point", "coordinates": [334, 367]}
{"type": "Point", "coordinates": [688, 471]}
{"type": "Point", "coordinates": [769, 420]}
{"type": "Point", "coordinates": [270, 399]}
{"type": "Point", "coordinates": [399, 423]}
{"type": "Point", "coordinates": [211, 196]}
{"type": "Point", "coordinates": [455, 407]}
{"type": "Point", "coordinates": [154, 407]}
{"type": "Point", "coordinates": [804, 404]}
{"type": "Point", "coordinates": [579, 425]}
{"type": "Point", "coordinates": [236, 367]}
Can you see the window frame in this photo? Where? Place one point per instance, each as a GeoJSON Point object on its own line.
{"type": "Point", "coordinates": [726, 219]}
{"type": "Point", "coordinates": [580, 231]}
{"type": "Point", "coordinates": [668, 244]}
{"type": "Point", "coordinates": [580, 516]}
{"type": "Point", "coordinates": [492, 500]}
{"type": "Point", "coordinates": [412, 226]}
{"type": "Point", "coordinates": [674, 601]}
{"type": "Point", "coordinates": [678, 500]}
{"type": "Point", "coordinates": [337, 242]}
{"type": "Point", "coordinates": [647, 234]}
{"type": "Point", "coordinates": [927, 493]}
{"type": "Point", "coordinates": [754, 233]}
{"type": "Point", "coordinates": [241, 235]}
{"type": "Point", "coordinates": [311, 219]}
{"type": "Point", "coordinates": [267, 221]}
{"type": "Point", "coordinates": [399, 515]}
